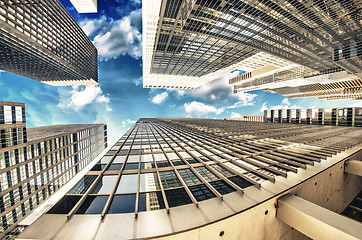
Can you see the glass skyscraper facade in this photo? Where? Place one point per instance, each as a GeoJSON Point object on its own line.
{"type": "Point", "coordinates": [196, 38]}
{"type": "Point", "coordinates": [37, 162]}
{"type": "Point", "coordinates": [188, 173]}
{"type": "Point", "coordinates": [41, 41]}
{"type": "Point", "coordinates": [12, 124]}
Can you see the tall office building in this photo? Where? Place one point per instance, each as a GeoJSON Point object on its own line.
{"type": "Point", "coordinates": [36, 162]}
{"type": "Point", "coordinates": [41, 41]}
{"type": "Point", "coordinates": [188, 43]}
{"type": "Point", "coordinates": [12, 124]}
{"type": "Point", "coordinates": [296, 81]}
{"type": "Point", "coordinates": [85, 6]}
{"type": "Point", "coordinates": [347, 116]}
{"type": "Point", "coordinates": [189, 178]}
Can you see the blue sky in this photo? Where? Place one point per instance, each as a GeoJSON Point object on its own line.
{"type": "Point", "coordinates": [119, 100]}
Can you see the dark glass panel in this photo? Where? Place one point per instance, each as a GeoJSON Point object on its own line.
{"type": "Point", "coordinates": [222, 187]}
{"type": "Point", "coordinates": [123, 204]}
{"type": "Point", "coordinates": [93, 205]}
{"type": "Point", "coordinates": [64, 205]}
{"type": "Point", "coordinates": [163, 164]}
{"type": "Point", "coordinates": [114, 167]}
{"type": "Point", "coordinates": [241, 182]}
{"type": "Point", "coordinates": [177, 197]}
{"type": "Point", "coordinates": [130, 166]}
{"type": "Point", "coordinates": [83, 185]}
{"type": "Point", "coordinates": [201, 192]}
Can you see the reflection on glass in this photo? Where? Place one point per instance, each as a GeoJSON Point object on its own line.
{"type": "Point", "coordinates": [146, 158]}
{"type": "Point", "coordinates": [201, 192]}
{"type": "Point", "coordinates": [93, 205]}
{"type": "Point", "coordinates": [169, 180]}
{"type": "Point", "coordinates": [222, 187]}
{"type": "Point", "coordinates": [98, 167]}
{"type": "Point", "coordinates": [206, 173]}
{"type": "Point", "coordinates": [177, 197]}
{"type": "Point", "coordinates": [64, 205]}
{"type": "Point", "coordinates": [123, 204]}
{"type": "Point", "coordinates": [127, 184]}
{"type": "Point", "coordinates": [150, 201]}
{"type": "Point", "coordinates": [119, 159]}
{"type": "Point", "coordinates": [177, 162]}
{"type": "Point", "coordinates": [189, 177]}
{"type": "Point", "coordinates": [133, 158]}
{"type": "Point", "coordinates": [105, 185]}
{"type": "Point", "coordinates": [114, 167]}
{"type": "Point", "coordinates": [163, 164]}
{"type": "Point", "coordinates": [149, 182]}
{"type": "Point", "coordinates": [149, 165]}
{"type": "Point", "coordinates": [83, 185]}
{"type": "Point", "coordinates": [130, 166]}
{"type": "Point", "coordinates": [241, 182]}
{"type": "Point", "coordinates": [105, 159]}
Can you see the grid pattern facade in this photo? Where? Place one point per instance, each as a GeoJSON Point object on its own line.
{"type": "Point", "coordinates": [40, 40]}
{"type": "Point", "coordinates": [164, 163]}
{"type": "Point", "coordinates": [350, 89]}
{"type": "Point", "coordinates": [12, 124]}
{"type": "Point", "coordinates": [194, 38]}
{"type": "Point", "coordinates": [31, 172]}
{"type": "Point", "coordinates": [351, 117]}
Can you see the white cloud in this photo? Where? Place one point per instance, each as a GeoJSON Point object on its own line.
{"type": "Point", "coordinates": [128, 121]}
{"type": "Point", "coordinates": [80, 97]}
{"type": "Point", "coordinates": [200, 109]}
{"type": "Point", "coordinates": [116, 37]}
{"type": "Point", "coordinates": [245, 99]}
{"type": "Point", "coordinates": [159, 98]}
{"type": "Point", "coordinates": [286, 101]}
{"type": "Point", "coordinates": [235, 115]}
{"type": "Point", "coordinates": [264, 107]}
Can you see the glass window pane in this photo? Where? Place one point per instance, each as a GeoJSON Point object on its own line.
{"type": "Point", "coordinates": [130, 166]}
{"type": "Point", "coordinates": [119, 159]}
{"type": "Point", "coordinates": [83, 185]}
{"type": "Point", "coordinates": [64, 205]}
{"type": "Point", "coordinates": [189, 177]}
{"type": "Point", "coordinates": [93, 205]}
{"type": "Point", "coordinates": [177, 197]}
{"type": "Point", "coordinates": [201, 192]}
{"type": "Point", "coordinates": [133, 159]}
{"type": "Point", "coordinates": [222, 187]}
{"type": "Point", "coordinates": [150, 201]}
{"type": "Point", "coordinates": [163, 164]}
{"type": "Point", "coordinates": [105, 159]}
{"type": "Point", "coordinates": [149, 182]}
{"type": "Point", "coordinates": [206, 174]}
{"type": "Point", "coordinates": [113, 167]}
{"type": "Point", "coordinates": [123, 204]}
{"type": "Point", "coordinates": [105, 185]}
{"type": "Point", "coordinates": [127, 184]}
{"type": "Point", "coordinates": [222, 170]}
{"type": "Point", "coordinates": [98, 167]}
{"type": "Point", "coordinates": [241, 182]}
{"type": "Point", "coordinates": [169, 180]}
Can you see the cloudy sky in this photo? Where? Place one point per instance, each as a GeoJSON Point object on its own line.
{"type": "Point", "coordinates": [119, 100]}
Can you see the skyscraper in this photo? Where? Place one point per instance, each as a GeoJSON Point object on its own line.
{"type": "Point", "coordinates": [203, 179]}
{"type": "Point", "coordinates": [12, 124]}
{"type": "Point", "coordinates": [188, 43]}
{"type": "Point", "coordinates": [36, 162]}
{"type": "Point", "coordinates": [85, 6]}
{"type": "Point", "coordinates": [347, 116]}
{"type": "Point", "coordinates": [41, 41]}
